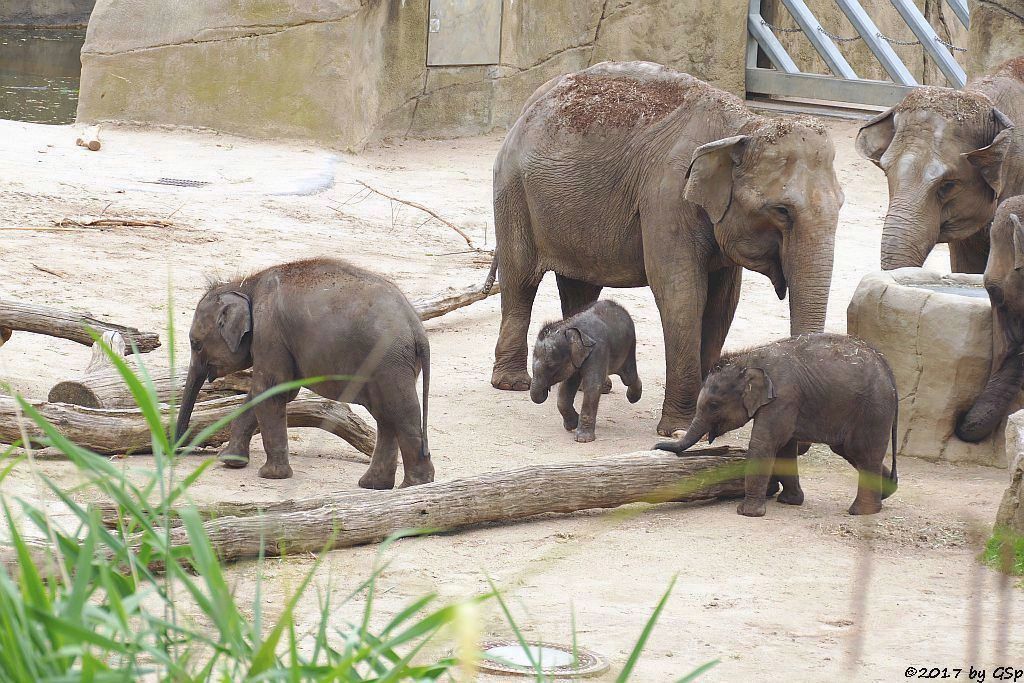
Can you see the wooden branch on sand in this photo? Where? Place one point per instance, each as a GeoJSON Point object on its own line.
{"type": "Point", "coordinates": [118, 431]}
{"type": "Point", "coordinates": [437, 306]}
{"type": "Point", "coordinates": [356, 518]}
{"type": "Point", "coordinates": [17, 316]}
{"type": "Point", "coordinates": [427, 210]}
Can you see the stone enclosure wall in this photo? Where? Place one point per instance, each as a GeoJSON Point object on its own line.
{"type": "Point", "coordinates": [45, 12]}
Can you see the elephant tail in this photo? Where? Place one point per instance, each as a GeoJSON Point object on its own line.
{"type": "Point", "coordinates": [423, 351]}
{"type": "Point", "coordinates": [895, 425]}
{"type": "Point", "coordinates": [492, 275]}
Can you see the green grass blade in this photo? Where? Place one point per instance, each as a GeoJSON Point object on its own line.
{"type": "Point", "coordinates": [634, 656]}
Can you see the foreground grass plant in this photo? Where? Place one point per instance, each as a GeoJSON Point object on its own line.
{"type": "Point", "coordinates": [88, 603]}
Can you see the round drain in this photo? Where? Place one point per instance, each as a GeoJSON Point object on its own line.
{"type": "Point", "coordinates": [510, 657]}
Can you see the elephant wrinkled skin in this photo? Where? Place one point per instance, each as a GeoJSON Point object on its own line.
{"type": "Point", "coordinates": [941, 152]}
{"type": "Point", "coordinates": [632, 174]}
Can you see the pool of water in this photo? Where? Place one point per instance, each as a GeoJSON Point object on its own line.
{"type": "Point", "coordinates": [39, 74]}
{"type": "Point", "coordinates": [959, 290]}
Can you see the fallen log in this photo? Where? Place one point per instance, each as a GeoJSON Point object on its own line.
{"type": "Point", "coordinates": [90, 139]}
{"type": "Point", "coordinates": [437, 306]}
{"type": "Point", "coordinates": [17, 316]}
{"type": "Point", "coordinates": [124, 431]}
{"type": "Point", "coordinates": [357, 518]}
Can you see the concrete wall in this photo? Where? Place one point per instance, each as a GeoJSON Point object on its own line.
{"type": "Point", "coordinates": [346, 73]}
{"type": "Point", "coordinates": [997, 34]}
{"type": "Point", "coordinates": [45, 12]}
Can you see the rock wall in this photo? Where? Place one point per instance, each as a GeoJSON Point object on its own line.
{"type": "Point", "coordinates": [856, 52]}
{"type": "Point", "coordinates": [45, 12]}
{"type": "Point", "coordinates": [997, 34]}
{"type": "Point", "coordinates": [346, 72]}
{"type": "Point", "coordinates": [1011, 509]}
{"type": "Point", "coordinates": [939, 345]}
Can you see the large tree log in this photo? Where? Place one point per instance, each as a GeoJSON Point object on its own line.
{"type": "Point", "coordinates": [356, 518]}
{"type": "Point", "coordinates": [437, 306]}
{"type": "Point", "coordinates": [57, 323]}
{"type": "Point", "coordinates": [119, 431]}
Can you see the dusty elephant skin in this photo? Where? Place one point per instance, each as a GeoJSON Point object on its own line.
{"type": "Point", "coordinates": [822, 388]}
{"type": "Point", "coordinates": [316, 318]}
{"type": "Point", "coordinates": [582, 352]}
{"type": "Point", "coordinates": [941, 155]}
{"type": "Point", "coordinates": [1004, 282]}
{"type": "Point", "coordinates": [632, 174]}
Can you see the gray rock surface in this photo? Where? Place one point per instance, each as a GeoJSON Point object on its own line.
{"type": "Point", "coordinates": [939, 345]}
{"type": "Point", "coordinates": [1011, 509]}
{"type": "Point", "coordinates": [45, 12]}
{"type": "Point", "coordinates": [997, 34]}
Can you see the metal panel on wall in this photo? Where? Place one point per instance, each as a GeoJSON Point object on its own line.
{"type": "Point", "coordinates": [464, 32]}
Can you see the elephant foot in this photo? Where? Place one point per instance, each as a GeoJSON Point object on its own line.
{"type": "Point", "coordinates": [773, 487]}
{"type": "Point", "coordinates": [752, 508]}
{"type": "Point", "coordinates": [510, 381]}
{"type": "Point", "coordinates": [791, 497]}
{"type": "Point", "coordinates": [376, 481]}
{"type": "Point", "coordinates": [235, 461]}
{"type": "Point", "coordinates": [861, 507]}
{"type": "Point", "coordinates": [571, 422]}
{"type": "Point", "coordinates": [276, 471]}
{"type": "Point", "coordinates": [634, 392]}
{"type": "Point", "coordinates": [669, 424]}
{"type": "Point", "coordinates": [424, 474]}
{"type": "Point", "coordinates": [585, 435]}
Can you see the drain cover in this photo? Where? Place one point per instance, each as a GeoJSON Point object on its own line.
{"type": "Point", "coordinates": [181, 182]}
{"type": "Point", "coordinates": [510, 657]}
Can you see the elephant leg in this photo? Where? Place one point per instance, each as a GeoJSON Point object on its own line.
{"type": "Point", "coordinates": [723, 297]}
{"type": "Point", "coordinates": [969, 255]}
{"type": "Point", "coordinates": [566, 395]}
{"type": "Point", "coordinates": [786, 473]}
{"type": "Point", "coordinates": [630, 377]}
{"type": "Point", "coordinates": [384, 461]}
{"type": "Point", "coordinates": [869, 491]}
{"type": "Point", "coordinates": [235, 454]}
{"type": "Point", "coordinates": [511, 351]}
{"type": "Point", "coordinates": [273, 424]}
{"type": "Point", "coordinates": [682, 309]}
{"type": "Point", "coordinates": [415, 459]}
{"type": "Point", "coordinates": [771, 434]}
{"type": "Point", "coordinates": [576, 295]}
{"type": "Point", "coordinates": [591, 385]}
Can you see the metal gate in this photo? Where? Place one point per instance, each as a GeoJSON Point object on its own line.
{"type": "Point", "coordinates": [843, 85]}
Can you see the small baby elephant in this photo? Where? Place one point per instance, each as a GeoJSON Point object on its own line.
{"type": "Point", "coordinates": [820, 388]}
{"type": "Point", "coordinates": [583, 351]}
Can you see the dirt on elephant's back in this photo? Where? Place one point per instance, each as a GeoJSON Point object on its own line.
{"type": "Point", "coordinates": [616, 102]}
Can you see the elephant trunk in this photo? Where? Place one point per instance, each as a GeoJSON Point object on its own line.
{"type": "Point", "coordinates": [193, 382]}
{"type": "Point", "coordinates": [911, 229]}
{"type": "Point", "coordinates": [538, 391]}
{"type": "Point", "coordinates": [809, 276]}
{"type": "Point", "coordinates": [694, 434]}
{"type": "Point", "coordinates": [992, 405]}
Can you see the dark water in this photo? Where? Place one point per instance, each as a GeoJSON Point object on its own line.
{"type": "Point", "coordinates": [39, 74]}
{"type": "Point", "coordinates": [959, 290]}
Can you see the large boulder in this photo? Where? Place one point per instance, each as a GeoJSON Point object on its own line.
{"type": "Point", "coordinates": [1011, 509]}
{"type": "Point", "coordinates": [346, 72]}
{"type": "Point", "coordinates": [997, 34]}
{"type": "Point", "coordinates": [936, 332]}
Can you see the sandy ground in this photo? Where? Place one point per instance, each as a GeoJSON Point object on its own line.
{"type": "Point", "coordinates": [773, 598]}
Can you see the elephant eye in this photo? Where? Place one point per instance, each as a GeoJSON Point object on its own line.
{"type": "Point", "coordinates": [781, 213]}
{"type": "Point", "coordinates": [947, 188]}
{"type": "Point", "coordinates": [196, 345]}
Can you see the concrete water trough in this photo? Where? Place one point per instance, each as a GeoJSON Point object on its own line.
{"type": "Point", "coordinates": [936, 332]}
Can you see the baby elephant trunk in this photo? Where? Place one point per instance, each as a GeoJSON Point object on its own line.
{"type": "Point", "coordinates": [694, 434]}
{"type": "Point", "coordinates": [538, 391]}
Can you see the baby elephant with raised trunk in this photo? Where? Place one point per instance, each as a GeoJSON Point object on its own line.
{"type": "Point", "coordinates": [316, 318]}
{"type": "Point", "coordinates": [819, 388]}
{"type": "Point", "coordinates": [583, 351]}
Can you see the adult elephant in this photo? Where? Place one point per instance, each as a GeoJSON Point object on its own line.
{"type": "Point", "coordinates": [632, 174]}
{"type": "Point", "coordinates": [935, 148]}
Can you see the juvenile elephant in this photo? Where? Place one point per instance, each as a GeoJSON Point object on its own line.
{"type": "Point", "coordinates": [824, 388]}
{"type": "Point", "coordinates": [632, 174]}
{"type": "Point", "coordinates": [1004, 281]}
{"type": "Point", "coordinates": [582, 352]}
{"type": "Point", "coordinates": [936, 149]}
{"type": "Point", "coordinates": [316, 318]}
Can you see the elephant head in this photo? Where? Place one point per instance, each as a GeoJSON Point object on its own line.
{"type": "Point", "coordinates": [1004, 281]}
{"type": "Point", "coordinates": [774, 199]}
{"type": "Point", "coordinates": [937, 149]}
{"type": "Point", "coordinates": [221, 339]}
{"type": "Point", "coordinates": [557, 354]}
{"type": "Point", "coordinates": [729, 399]}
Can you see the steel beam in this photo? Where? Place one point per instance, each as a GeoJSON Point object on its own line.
{"type": "Point", "coordinates": [814, 32]}
{"type": "Point", "coordinates": [780, 59]}
{"type": "Point", "coordinates": [961, 11]}
{"type": "Point", "coordinates": [883, 52]}
{"type": "Point", "coordinates": [929, 40]}
{"type": "Point", "coordinates": [816, 87]}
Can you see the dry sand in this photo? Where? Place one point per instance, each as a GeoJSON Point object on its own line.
{"type": "Point", "coordinates": [773, 598]}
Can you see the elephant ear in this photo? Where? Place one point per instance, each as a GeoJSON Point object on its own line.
{"type": "Point", "coordinates": [989, 160]}
{"type": "Point", "coordinates": [580, 345]}
{"type": "Point", "coordinates": [759, 390]}
{"type": "Point", "coordinates": [1018, 242]}
{"type": "Point", "coordinates": [234, 319]}
{"type": "Point", "coordinates": [875, 136]}
{"type": "Point", "coordinates": [709, 177]}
